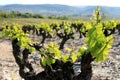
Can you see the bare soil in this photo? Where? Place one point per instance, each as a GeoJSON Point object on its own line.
{"type": "Point", "coordinates": [108, 70]}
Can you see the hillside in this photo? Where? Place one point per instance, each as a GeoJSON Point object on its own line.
{"type": "Point", "coordinates": [57, 9]}
{"type": "Point", "coordinates": [46, 9]}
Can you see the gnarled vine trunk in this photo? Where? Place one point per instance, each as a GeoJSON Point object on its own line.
{"type": "Point", "coordinates": [60, 70]}
{"type": "Point", "coordinates": [21, 59]}
{"type": "Point", "coordinates": [86, 68]}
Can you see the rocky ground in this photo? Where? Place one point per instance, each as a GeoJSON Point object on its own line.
{"type": "Point", "coordinates": [8, 67]}
{"type": "Point", "coordinates": [108, 70]}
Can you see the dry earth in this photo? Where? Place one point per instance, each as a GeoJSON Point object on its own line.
{"type": "Point", "coordinates": [108, 70]}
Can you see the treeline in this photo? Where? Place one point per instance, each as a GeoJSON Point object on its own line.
{"type": "Point", "coordinates": [17, 14]}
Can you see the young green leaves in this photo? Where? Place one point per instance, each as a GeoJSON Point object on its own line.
{"type": "Point", "coordinates": [97, 44]}
{"type": "Point", "coordinates": [51, 53]}
{"type": "Point", "coordinates": [14, 31]}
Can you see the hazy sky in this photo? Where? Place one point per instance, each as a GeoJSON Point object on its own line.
{"type": "Point", "coordinates": [68, 2]}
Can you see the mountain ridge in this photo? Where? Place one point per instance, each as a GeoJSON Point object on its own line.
{"type": "Point", "coordinates": [58, 9]}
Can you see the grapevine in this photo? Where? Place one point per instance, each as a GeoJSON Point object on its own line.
{"type": "Point", "coordinates": [57, 59]}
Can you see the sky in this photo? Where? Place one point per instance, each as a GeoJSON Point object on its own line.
{"type": "Point", "coordinates": [113, 3]}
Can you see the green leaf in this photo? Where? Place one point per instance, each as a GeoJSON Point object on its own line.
{"type": "Point", "coordinates": [50, 61]}
{"type": "Point", "coordinates": [81, 51]}
{"type": "Point", "coordinates": [43, 61]}
{"type": "Point", "coordinates": [57, 53]}
{"type": "Point", "coordinates": [74, 57]}
{"type": "Point", "coordinates": [31, 49]}
{"type": "Point", "coordinates": [65, 57]}
{"type": "Point", "coordinates": [102, 55]}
